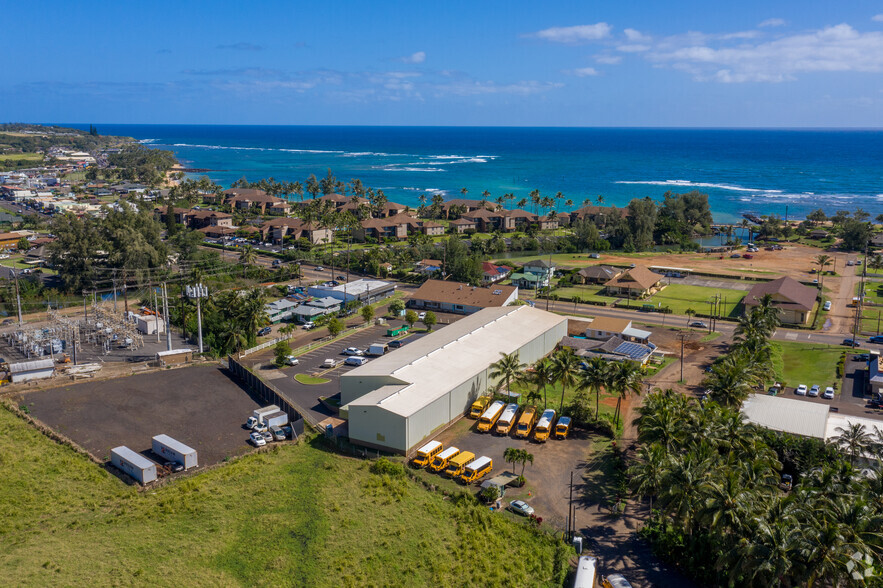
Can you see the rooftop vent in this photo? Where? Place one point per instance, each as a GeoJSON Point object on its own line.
{"type": "Point", "coordinates": [498, 292]}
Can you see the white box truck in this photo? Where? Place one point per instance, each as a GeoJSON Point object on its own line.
{"type": "Point", "coordinates": [258, 416]}
{"type": "Point", "coordinates": [377, 349]}
{"type": "Point", "coordinates": [276, 419]}
{"type": "Point", "coordinates": [173, 450]}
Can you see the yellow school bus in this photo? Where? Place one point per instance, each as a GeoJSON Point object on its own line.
{"type": "Point", "coordinates": [544, 425]}
{"type": "Point", "coordinates": [441, 460]}
{"type": "Point", "coordinates": [526, 422]}
{"type": "Point", "coordinates": [477, 469]}
{"type": "Point", "coordinates": [489, 417]}
{"type": "Point", "coordinates": [426, 453]}
{"type": "Point", "coordinates": [478, 406]}
{"type": "Point", "coordinates": [458, 462]}
{"type": "Point", "coordinates": [507, 419]}
{"type": "Point", "coordinates": [562, 427]}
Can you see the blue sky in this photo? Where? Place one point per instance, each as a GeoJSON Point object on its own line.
{"type": "Point", "coordinates": [513, 63]}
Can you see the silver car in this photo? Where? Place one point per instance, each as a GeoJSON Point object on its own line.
{"type": "Point", "coordinates": [521, 507]}
{"type": "Point", "coordinates": [814, 391]}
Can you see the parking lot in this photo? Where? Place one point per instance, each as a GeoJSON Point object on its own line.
{"type": "Point", "coordinates": [203, 407]}
{"type": "Point", "coordinates": [548, 477]}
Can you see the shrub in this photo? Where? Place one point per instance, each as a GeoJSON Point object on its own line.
{"type": "Point", "coordinates": [385, 467]}
{"type": "Point", "coordinates": [489, 494]}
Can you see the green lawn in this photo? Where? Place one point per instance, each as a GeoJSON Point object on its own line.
{"type": "Point", "coordinates": [287, 515]}
{"type": "Point", "coordinates": [310, 380]}
{"type": "Point", "coordinates": [680, 297]}
{"type": "Point", "coordinates": [584, 293]}
{"type": "Point", "coordinates": [21, 157]}
{"type": "Point", "coordinates": [806, 363]}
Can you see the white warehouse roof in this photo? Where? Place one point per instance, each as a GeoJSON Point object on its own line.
{"type": "Point", "coordinates": [798, 417]}
{"type": "Point", "coordinates": [462, 349]}
{"type": "Point", "coordinates": [30, 366]}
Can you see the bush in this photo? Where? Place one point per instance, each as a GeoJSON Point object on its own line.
{"type": "Point", "coordinates": [385, 467]}
{"type": "Point", "coordinates": [489, 494]}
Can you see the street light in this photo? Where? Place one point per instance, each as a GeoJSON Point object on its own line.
{"type": "Point", "coordinates": [199, 291]}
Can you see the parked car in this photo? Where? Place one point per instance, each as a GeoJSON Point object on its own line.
{"type": "Point", "coordinates": [259, 427]}
{"type": "Point", "coordinates": [735, 256]}
{"type": "Point", "coordinates": [341, 278]}
{"type": "Point", "coordinates": [850, 342]}
{"type": "Point", "coordinates": [353, 351]}
{"type": "Point", "coordinates": [319, 268]}
{"type": "Point", "coordinates": [329, 363]}
{"type": "Point", "coordinates": [827, 305]}
{"type": "Point", "coordinates": [265, 331]}
{"type": "Point", "coordinates": [396, 343]}
{"type": "Point", "coordinates": [521, 507]}
{"type": "Point", "coordinates": [801, 390]}
{"type": "Point", "coordinates": [814, 391]}
{"type": "Point", "coordinates": [356, 361]}
{"type": "Point", "coordinates": [774, 390]}
{"type": "Point", "coordinates": [268, 436]}
{"type": "Point", "coordinates": [309, 325]}
{"type": "Point", "coordinates": [278, 433]}
{"type": "Point", "coordinates": [615, 581]}
{"type": "Point", "coordinates": [876, 339]}
{"type": "Point", "coordinates": [174, 466]}
{"type": "Point", "coordinates": [421, 316]}
{"type": "Point", "coordinates": [291, 360]}
{"type": "Point", "coordinates": [786, 482]}
{"type": "Point", "coordinates": [861, 357]}
{"type": "Point", "coordinates": [699, 324]}
{"type": "Point", "coordinates": [828, 394]}
{"type": "Point", "coordinates": [257, 439]}
{"type": "Point", "coordinates": [747, 256]}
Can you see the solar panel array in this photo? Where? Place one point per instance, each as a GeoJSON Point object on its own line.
{"type": "Point", "coordinates": [631, 350]}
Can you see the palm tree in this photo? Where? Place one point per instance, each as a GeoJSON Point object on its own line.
{"type": "Point", "coordinates": [854, 438]}
{"type": "Point", "coordinates": [646, 475]}
{"type": "Point", "coordinates": [525, 458]}
{"type": "Point", "coordinates": [511, 455]}
{"type": "Point", "coordinates": [541, 376]}
{"type": "Point", "coordinates": [729, 383]}
{"type": "Point", "coordinates": [593, 377]}
{"type": "Point", "coordinates": [247, 257]}
{"type": "Point", "coordinates": [565, 370]}
{"type": "Point", "coordinates": [876, 262]}
{"type": "Point", "coordinates": [508, 368]}
{"type": "Point", "coordinates": [822, 261]}
{"type": "Point", "coordinates": [600, 200]}
{"type": "Point", "coordinates": [625, 379]}
{"type": "Point", "coordinates": [252, 314]}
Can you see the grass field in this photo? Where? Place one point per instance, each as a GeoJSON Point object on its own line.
{"type": "Point", "coordinates": [680, 297]}
{"type": "Point", "coordinates": [21, 156]}
{"type": "Point", "coordinates": [289, 515]}
{"type": "Point", "coordinates": [806, 363]}
{"type": "Point", "coordinates": [309, 380]}
{"type": "Point", "coordinates": [584, 293]}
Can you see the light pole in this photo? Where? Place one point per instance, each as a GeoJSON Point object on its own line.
{"type": "Point", "coordinates": [198, 291]}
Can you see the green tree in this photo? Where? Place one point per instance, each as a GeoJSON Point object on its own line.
{"type": "Point", "coordinates": [822, 261]}
{"type": "Point", "coordinates": [411, 318]}
{"type": "Point", "coordinates": [854, 438]}
{"type": "Point", "coordinates": [593, 377]}
{"type": "Point", "coordinates": [396, 307]}
{"type": "Point", "coordinates": [507, 369]}
{"type": "Point", "coordinates": [367, 313]}
{"type": "Point", "coordinates": [23, 244]}
{"type": "Point", "coordinates": [281, 351]}
{"type": "Point", "coordinates": [247, 257]}
{"type": "Point", "coordinates": [511, 455]}
{"type": "Point", "coordinates": [625, 379]}
{"type": "Point", "coordinates": [565, 371]}
{"type": "Point", "coordinates": [335, 327]}
{"type": "Point", "coordinates": [542, 376]}
{"type": "Point", "coordinates": [430, 320]}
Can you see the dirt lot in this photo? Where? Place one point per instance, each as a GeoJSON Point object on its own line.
{"type": "Point", "coordinates": [200, 406]}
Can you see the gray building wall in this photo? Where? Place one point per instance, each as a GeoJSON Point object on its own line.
{"type": "Point", "coordinates": [352, 387]}
{"type": "Point", "coordinates": [377, 427]}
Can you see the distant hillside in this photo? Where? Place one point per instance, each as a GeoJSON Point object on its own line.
{"type": "Point", "coordinates": [18, 138]}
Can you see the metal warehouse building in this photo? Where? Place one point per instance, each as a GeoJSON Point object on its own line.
{"type": "Point", "coordinates": [396, 401]}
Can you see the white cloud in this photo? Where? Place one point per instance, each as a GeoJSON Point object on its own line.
{"type": "Point", "coordinates": [837, 48]}
{"type": "Point", "coordinates": [627, 48]}
{"type": "Point", "coordinates": [583, 72]}
{"type": "Point", "coordinates": [574, 35]}
{"type": "Point", "coordinates": [772, 22]}
{"type": "Point", "coordinates": [877, 17]}
{"type": "Point", "coordinates": [608, 59]}
{"type": "Point", "coordinates": [635, 36]}
{"type": "Point", "coordinates": [418, 57]}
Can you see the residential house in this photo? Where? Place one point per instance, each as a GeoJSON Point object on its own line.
{"type": "Point", "coordinates": [460, 298]}
{"type": "Point", "coordinates": [461, 225]}
{"type": "Point", "coordinates": [217, 232]}
{"type": "Point", "coordinates": [636, 282]}
{"type": "Point", "coordinates": [794, 300]}
{"type": "Point", "coordinates": [598, 214]}
{"type": "Point", "coordinates": [432, 228]}
{"type": "Point", "coordinates": [491, 274]}
{"type": "Point", "coordinates": [818, 234]}
{"type": "Point", "coordinates": [877, 240]}
{"type": "Point", "coordinates": [248, 198]}
{"type": "Point", "coordinates": [428, 266]}
{"type": "Point", "coordinates": [393, 227]}
{"type": "Point", "coordinates": [612, 349]}
{"type": "Point", "coordinates": [489, 221]}
{"type": "Point", "coordinates": [280, 310]}
{"type": "Point", "coordinates": [9, 240]}
{"type": "Point", "coordinates": [315, 308]}
{"type": "Point", "coordinates": [547, 223]}
{"type": "Point", "coordinates": [277, 229]}
{"type": "Point", "coordinates": [195, 218]}
{"type": "Point", "coordinates": [535, 274]}
{"type": "Point", "coordinates": [598, 274]}
{"type": "Point", "coordinates": [364, 290]}
{"type": "Point", "coordinates": [604, 328]}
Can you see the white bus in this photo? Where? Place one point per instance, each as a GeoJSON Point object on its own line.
{"type": "Point", "coordinates": [585, 572]}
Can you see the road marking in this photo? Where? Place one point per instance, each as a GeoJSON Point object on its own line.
{"type": "Point", "coordinates": [791, 336]}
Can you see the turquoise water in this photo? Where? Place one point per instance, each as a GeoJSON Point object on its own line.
{"type": "Point", "coordinates": [758, 171]}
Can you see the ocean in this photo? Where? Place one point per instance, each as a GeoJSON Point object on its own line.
{"type": "Point", "coordinates": [743, 171]}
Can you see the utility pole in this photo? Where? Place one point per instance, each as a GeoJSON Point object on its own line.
{"type": "Point", "coordinates": [682, 336]}
{"type": "Point", "coordinates": [155, 312]}
{"type": "Point", "coordinates": [114, 291]}
{"type": "Point", "coordinates": [17, 296]}
{"type": "Point", "coordinates": [85, 312]}
{"type": "Point", "coordinates": [571, 526]}
{"type": "Point", "coordinates": [125, 298]}
{"type": "Point", "coordinates": [165, 297]}
{"type": "Point", "coordinates": [199, 291]}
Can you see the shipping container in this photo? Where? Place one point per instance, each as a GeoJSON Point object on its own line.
{"type": "Point", "coordinates": [173, 450]}
{"type": "Point", "coordinates": [377, 349]}
{"type": "Point", "coordinates": [276, 419]}
{"type": "Point", "coordinates": [133, 464]}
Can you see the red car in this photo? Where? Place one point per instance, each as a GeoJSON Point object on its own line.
{"type": "Point", "coordinates": [747, 256]}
